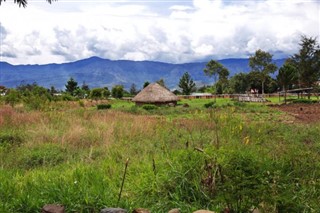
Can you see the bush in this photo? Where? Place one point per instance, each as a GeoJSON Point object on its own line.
{"type": "Point", "coordinates": [10, 138]}
{"type": "Point", "coordinates": [209, 105]}
{"type": "Point", "coordinates": [103, 106]}
{"type": "Point", "coordinates": [304, 101]}
{"type": "Point", "coordinates": [239, 104]}
{"type": "Point", "coordinates": [149, 107]}
{"type": "Point", "coordinates": [67, 97]}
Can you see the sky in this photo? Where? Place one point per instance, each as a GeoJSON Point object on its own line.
{"type": "Point", "coordinates": [174, 31]}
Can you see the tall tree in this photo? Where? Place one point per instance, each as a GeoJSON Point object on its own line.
{"type": "Point", "coordinates": [85, 86]}
{"type": "Point", "coordinates": [117, 91]}
{"type": "Point", "coordinates": [261, 62]}
{"type": "Point", "coordinates": [71, 86]}
{"type": "Point", "coordinates": [287, 75]}
{"type": "Point", "coordinates": [307, 62]}
{"type": "Point", "coordinates": [239, 83]}
{"type": "Point", "coordinates": [215, 69]}
{"type": "Point", "coordinates": [24, 3]}
{"type": "Point", "coordinates": [99, 93]}
{"type": "Point", "coordinates": [133, 89]}
{"type": "Point", "coordinates": [186, 84]}
{"type": "Point", "coordinates": [162, 83]}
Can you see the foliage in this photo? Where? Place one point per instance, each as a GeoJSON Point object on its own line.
{"type": "Point", "coordinates": [12, 97]}
{"type": "Point", "coordinates": [71, 86]}
{"type": "Point", "coordinates": [146, 83]}
{"type": "Point", "coordinates": [133, 90]}
{"type": "Point", "coordinates": [161, 83]}
{"type": "Point", "coordinates": [149, 107]}
{"type": "Point", "coordinates": [239, 83]}
{"type": "Point", "coordinates": [67, 97]}
{"type": "Point", "coordinates": [209, 105]}
{"type": "Point", "coordinates": [261, 62]}
{"type": "Point", "coordinates": [99, 93]}
{"type": "Point", "coordinates": [304, 101]}
{"type": "Point", "coordinates": [53, 90]}
{"type": "Point", "coordinates": [24, 2]}
{"type": "Point", "coordinates": [117, 91]}
{"type": "Point", "coordinates": [103, 106]}
{"type": "Point", "coordinates": [186, 84]}
{"type": "Point", "coordinates": [287, 76]}
{"type": "Point", "coordinates": [76, 158]}
{"type": "Point", "coordinates": [85, 87]}
{"type": "Point", "coordinates": [215, 69]}
{"type": "Point", "coordinates": [307, 62]}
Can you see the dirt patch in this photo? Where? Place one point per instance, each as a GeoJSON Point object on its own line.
{"type": "Point", "coordinates": [306, 113]}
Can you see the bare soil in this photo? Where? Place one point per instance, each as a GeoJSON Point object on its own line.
{"type": "Point", "coordinates": [306, 113]}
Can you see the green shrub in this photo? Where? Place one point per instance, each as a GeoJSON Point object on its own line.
{"type": "Point", "coordinates": [103, 106]}
{"type": "Point", "coordinates": [149, 107]}
{"type": "Point", "coordinates": [67, 97]}
{"type": "Point", "coordinates": [210, 105]}
{"type": "Point", "coordinates": [304, 101]}
{"type": "Point", "coordinates": [10, 138]}
{"type": "Point", "coordinates": [239, 104]}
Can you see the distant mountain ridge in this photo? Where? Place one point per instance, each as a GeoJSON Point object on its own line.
{"type": "Point", "coordinates": [98, 72]}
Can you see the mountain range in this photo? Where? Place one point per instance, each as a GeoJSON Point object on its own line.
{"type": "Point", "coordinates": [99, 72]}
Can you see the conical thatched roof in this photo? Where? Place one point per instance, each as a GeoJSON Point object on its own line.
{"type": "Point", "coordinates": [154, 93]}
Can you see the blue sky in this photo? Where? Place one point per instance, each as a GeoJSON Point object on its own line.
{"type": "Point", "coordinates": [167, 31]}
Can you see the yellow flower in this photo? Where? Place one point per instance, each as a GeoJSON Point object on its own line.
{"type": "Point", "coordinates": [246, 140]}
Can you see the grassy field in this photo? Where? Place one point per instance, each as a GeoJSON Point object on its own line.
{"type": "Point", "coordinates": [234, 155]}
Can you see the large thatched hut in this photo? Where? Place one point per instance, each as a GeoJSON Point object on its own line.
{"type": "Point", "coordinates": [155, 94]}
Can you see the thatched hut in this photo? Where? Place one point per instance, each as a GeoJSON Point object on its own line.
{"type": "Point", "coordinates": [155, 94]}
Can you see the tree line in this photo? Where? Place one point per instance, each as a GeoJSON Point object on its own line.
{"type": "Point", "coordinates": [299, 71]}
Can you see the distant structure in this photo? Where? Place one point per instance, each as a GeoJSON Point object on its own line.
{"type": "Point", "coordinates": [155, 94]}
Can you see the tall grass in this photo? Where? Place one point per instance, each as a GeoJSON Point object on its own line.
{"type": "Point", "coordinates": [235, 156]}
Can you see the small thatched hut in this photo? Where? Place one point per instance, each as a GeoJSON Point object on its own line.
{"type": "Point", "coordinates": [155, 94]}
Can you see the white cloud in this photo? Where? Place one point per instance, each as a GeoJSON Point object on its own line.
{"type": "Point", "coordinates": [162, 31]}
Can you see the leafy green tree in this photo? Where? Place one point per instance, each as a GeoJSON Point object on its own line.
{"type": "Point", "coordinates": [117, 91]}
{"type": "Point", "coordinates": [307, 62]}
{"type": "Point", "coordinates": [261, 62]}
{"type": "Point", "coordinates": [24, 3]}
{"type": "Point", "coordinates": [96, 93]}
{"type": "Point", "coordinates": [12, 97]}
{"type": "Point", "coordinates": [133, 90]}
{"type": "Point", "coordinates": [186, 84]}
{"type": "Point", "coordinates": [216, 70]}
{"type": "Point", "coordinates": [25, 89]}
{"type": "Point", "coordinates": [239, 83]}
{"type": "Point", "coordinates": [146, 83]}
{"type": "Point", "coordinates": [202, 89]}
{"type": "Point", "coordinates": [287, 76]}
{"type": "Point", "coordinates": [99, 93]}
{"type": "Point", "coordinates": [71, 86]}
{"type": "Point", "coordinates": [255, 82]}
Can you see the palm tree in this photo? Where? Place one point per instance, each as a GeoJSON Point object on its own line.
{"type": "Point", "coordinates": [24, 3]}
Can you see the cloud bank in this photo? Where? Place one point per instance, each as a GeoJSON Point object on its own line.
{"type": "Point", "coordinates": [168, 31]}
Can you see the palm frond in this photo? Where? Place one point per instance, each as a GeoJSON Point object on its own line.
{"type": "Point", "coordinates": [24, 3]}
